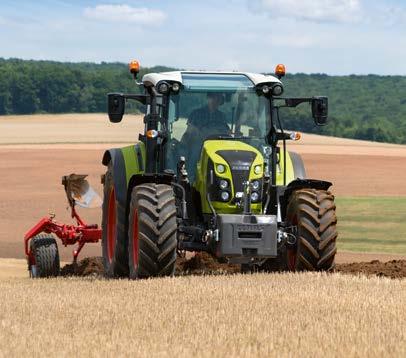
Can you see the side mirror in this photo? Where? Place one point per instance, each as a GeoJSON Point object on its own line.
{"type": "Point", "coordinates": [320, 110]}
{"type": "Point", "coordinates": [116, 105]}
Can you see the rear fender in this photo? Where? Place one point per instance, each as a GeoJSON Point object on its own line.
{"type": "Point", "coordinates": [299, 170]}
{"type": "Point", "coordinates": [126, 162]}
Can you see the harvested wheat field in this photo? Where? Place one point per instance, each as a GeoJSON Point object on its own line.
{"type": "Point", "coordinates": [235, 316]}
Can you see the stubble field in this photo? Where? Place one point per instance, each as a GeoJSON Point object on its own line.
{"type": "Point", "coordinates": [226, 315]}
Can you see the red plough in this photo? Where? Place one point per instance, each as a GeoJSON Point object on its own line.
{"type": "Point", "coordinates": [40, 245]}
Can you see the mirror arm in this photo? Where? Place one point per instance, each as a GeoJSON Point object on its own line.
{"type": "Point", "coordinates": [142, 98]}
{"type": "Point", "coordinates": [293, 102]}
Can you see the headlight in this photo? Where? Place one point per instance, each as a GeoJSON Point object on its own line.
{"type": "Point", "coordinates": [277, 90]}
{"type": "Point", "coordinates": [223, 184]}
{"type": "Point", "coordinates": [163, 88]}
{"type": "Point", "coordinates": [258, 169]}
{"type": "Point", "coordinates": [221, 168]}
{"type": "Point", "coordinates": [175, 87]}
{"type": "Point", "coordinates": [254, 196]}
{"type": "Point", "coordinates": [225, 196]}
{"type": "Point", "coordinates": [265, 89]}
{"type": "Point", "coordinates": [255, 184]}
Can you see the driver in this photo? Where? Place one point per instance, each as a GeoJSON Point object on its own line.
{"type": "Point", "coordinates": [207, 120]}
{"type": "Point", "coordinates": [203, 122]}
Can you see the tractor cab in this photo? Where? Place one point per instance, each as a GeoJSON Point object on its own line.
{"type": "Point", "coordinates": [215, 106]}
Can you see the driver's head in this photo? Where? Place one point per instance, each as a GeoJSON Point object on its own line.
{"type": "Point", "coordinates": [214, 100]}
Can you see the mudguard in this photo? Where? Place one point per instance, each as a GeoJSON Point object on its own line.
{"type": "Point", "coordinates": [298, 165]}
{"type": "Point", "coordinates": [298, 184]}
{"type": "Point", "coordinates": [127, 161]}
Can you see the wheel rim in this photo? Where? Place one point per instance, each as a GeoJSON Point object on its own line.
{"type": "Point", "coordinates": [292, 253]}
{"type": "Point", "coordinates": [135, 239]}
{"type": "Point", "coordinates": [111, 225]}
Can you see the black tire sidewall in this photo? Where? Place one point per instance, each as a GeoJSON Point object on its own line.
{"type": "Point", "coordinates": [152, 204]}
{"type": "Point", "coordinates": [45, 251]}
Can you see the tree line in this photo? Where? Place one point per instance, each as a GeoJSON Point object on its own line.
{"type": "Point", "coordinates": [367, 107]}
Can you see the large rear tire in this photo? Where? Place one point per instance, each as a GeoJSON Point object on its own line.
{"type": "Point", "coordinates": [114, 233]}
{"type": "Point", "coordinates": [152, 231]}
{"type": "Point", "coordinates": [313, 212]}
{"type": "Point", "coordinates": [46, 256]}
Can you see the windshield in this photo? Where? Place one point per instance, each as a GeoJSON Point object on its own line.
{"type": "Point", "coordinates": [212, 106]}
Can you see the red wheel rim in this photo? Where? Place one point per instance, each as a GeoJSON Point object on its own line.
{"type": "Point", "coordinates": [291, 253]}
{"type": "Point", "coordinates": [111, 225]}
{"type": "Point", "coordinates": [291, 260]}
{"type": "Point", "coordinates": [135, 238]}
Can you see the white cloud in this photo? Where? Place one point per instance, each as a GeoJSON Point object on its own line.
{"type": "Point", "coordinates": [342, 11]}
{"type": "Point", "coordinates": [125, 13]}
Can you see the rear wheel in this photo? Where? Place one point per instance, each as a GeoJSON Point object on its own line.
{"type": "Point", "coordinates": [313, 212]}
{"type": "Point", "coordinates": [114, 235]}
{"type": "Point", "coordinates": [152, 231]}
{"type": "Point", "coordinates": [45, 257]}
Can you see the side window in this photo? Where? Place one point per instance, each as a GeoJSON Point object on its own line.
{"type": "Point", "coordinates": [177, 124]}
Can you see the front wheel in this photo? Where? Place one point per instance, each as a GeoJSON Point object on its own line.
{"type": "Point", "coordinates": [152, 231]}
{"type": "Point", "coordinates": [313, 213]}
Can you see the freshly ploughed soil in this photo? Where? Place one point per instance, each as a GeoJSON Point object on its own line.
{"type": "Point", "coordinates": [204, 264]}
{"type": "Point", "coordinates": [199, 264]}
{"type": "Point", "coordinates": [392, 269]}
{"type": "Point", "coordinates": [89, 266]}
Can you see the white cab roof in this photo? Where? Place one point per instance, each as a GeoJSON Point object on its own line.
{"type": "Point", "coordinates": [151, 79]}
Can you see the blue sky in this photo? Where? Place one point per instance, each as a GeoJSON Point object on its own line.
{"type": "Point", "coordinates": [323, 36]}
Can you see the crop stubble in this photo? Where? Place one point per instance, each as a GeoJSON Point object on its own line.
{"type": "Point", "coordinates": [235, 315]}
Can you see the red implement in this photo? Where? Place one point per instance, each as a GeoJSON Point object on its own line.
{"type": "Point", "coordinates": [70, 234]}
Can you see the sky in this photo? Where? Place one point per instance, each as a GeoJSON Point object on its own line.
{"type": "Point", "coordinates": [337, 37]}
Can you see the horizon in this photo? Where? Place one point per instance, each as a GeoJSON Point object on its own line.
{"type": "Point", "coordinates": [173, 68]}
{"type": "Point", "coordinates": [333, 37]}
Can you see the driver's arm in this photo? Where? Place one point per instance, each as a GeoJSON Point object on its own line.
{"type": "Point", "coordinates": [222, 123]}
{"type": "Point", "coordinates": [192, 129]}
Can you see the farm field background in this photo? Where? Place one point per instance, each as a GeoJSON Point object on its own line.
{"type": "Point", "coordinates": [35, 151]}
{"type": "Point", "coordinates": [233, 315]}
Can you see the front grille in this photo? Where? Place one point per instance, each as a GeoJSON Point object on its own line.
{"type": "Point", "coordinates": [240, 162]}
{"type": "Point", "coordinates": [239, 177]}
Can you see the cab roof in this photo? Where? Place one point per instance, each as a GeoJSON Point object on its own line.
{"type": "Point", "coordinates": [151, 79]}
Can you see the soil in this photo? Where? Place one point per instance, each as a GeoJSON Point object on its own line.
{"type": "Point", "coordinates": [392, 269]}
{"type": "Point", "coordinates": [89, 266]}
{"type": "Point", "coordinates": [204, 264]}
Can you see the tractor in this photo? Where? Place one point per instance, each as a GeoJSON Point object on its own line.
{"type": "Point", "coordinates": [211, 173]}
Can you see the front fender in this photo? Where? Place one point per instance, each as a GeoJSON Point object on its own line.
{"type": "Point", "coordinates": [298, 184]}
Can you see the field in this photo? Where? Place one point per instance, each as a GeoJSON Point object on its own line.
{"type": "Point", "coordinates": [260, 315]}
{"type": "Point", "coordinates": [372, 224]}
{"type": "Point", "coordinates": [231, 315]}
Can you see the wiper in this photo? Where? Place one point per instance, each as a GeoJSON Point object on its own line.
{"type": "Point", "coordinates": [229, 137]}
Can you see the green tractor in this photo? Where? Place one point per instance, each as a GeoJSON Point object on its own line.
{"type": "Point", "coordinates": [208, 174]}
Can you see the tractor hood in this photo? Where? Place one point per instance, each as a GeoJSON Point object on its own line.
{"type": "Point", "coordinates": [230, 161]}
